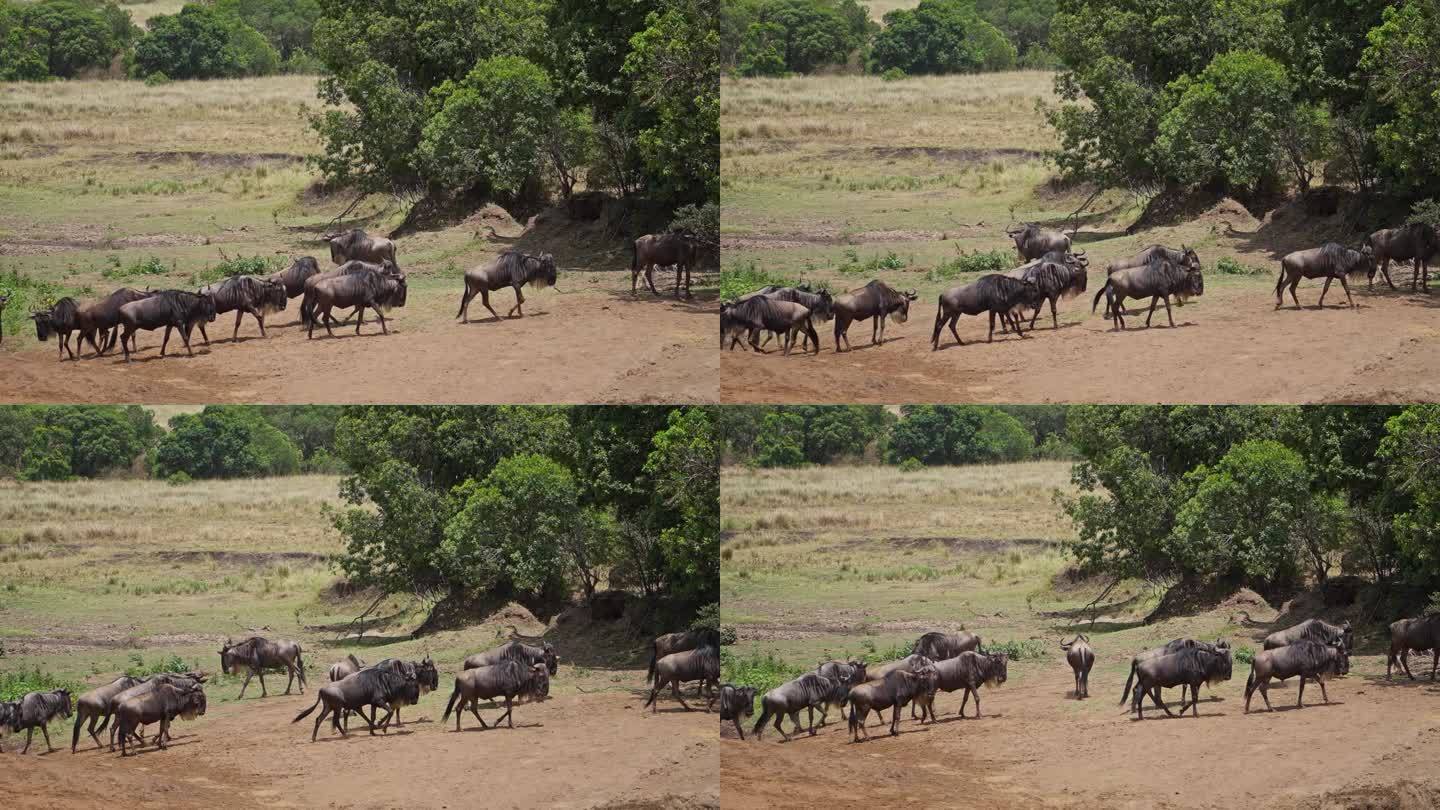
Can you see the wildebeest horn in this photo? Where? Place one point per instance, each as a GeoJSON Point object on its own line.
{"type": "Point", "coordinates": [911, 295]}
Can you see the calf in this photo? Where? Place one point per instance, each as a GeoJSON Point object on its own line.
{"type": "Point", "coordinates": [736, 702]}
{"type": "Point", "coordinates": [1081, 658]}
{"type": "Point", "coordinates": [1308, 659]}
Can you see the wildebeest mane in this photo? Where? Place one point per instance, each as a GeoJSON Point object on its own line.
{"type": "Point", "coordinates": [758, 309]}
{"type": "Point", "coordinates": [523, 268]}
{"type": "Point", "coordinates": [889, 297]}
{"type": "Point", "coordinates": [819, 303]}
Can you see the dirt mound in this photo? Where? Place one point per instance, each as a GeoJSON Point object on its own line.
{"type": "Point", "coordinates": [1229, 214]}
{"type": "Point", "coordinates": [493, 218]}
{"type": "Point", "coordinates": [1402, 796]}
{"type": "Point", "coordinates": [1195, 206]}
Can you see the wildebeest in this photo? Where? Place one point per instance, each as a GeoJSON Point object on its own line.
{"type": "Point", "coordinates": [876, 300]}
{"type": "Point", "coordinates": [821, 304]}
{"type": "Point", "coordinates": [680, 249]}
{"type": "Point", "coordinates": [1308, 659]}
{"type": "Point", "coordinates": [910, 663]}
{"type": "Point", "coordinates": [805, 692]}
{"type": "Point", "coordinates": [510, 269]}
{"type": "Point", "coordinates": [1033, 241]}
{"type": "Point", "coordinates": [353, 267]}
{"type": "Point", "coordinates": [1330, 261]}
{"type": "Point", "coordinates": [294, 276]}
{"type": "Point", "coordinates": [161, 705]}
{"type": "Point", "coordinates": [372, 686]}
{"type": "Point", "coordinates": [516, 650]}
{"type": "Point", "coordinates": [508, 679]}
{"type": "Point", "coordinates": [1184, 257]}
{"type": "Point", "coordinates": [1054, 280]}
{"type": "Point", "coordinates": [700, 664]}
{"type": "Point", "coordinates": [762, 314]}
{"type": "Point", "coordinates": [938, 646]}
{"type": "Point", "coordinates": [148, 685]}
{"type": "Point", "coordinates": [379, 291]}
{"type": "Point", "coordinates": [1173, 646]}
{"type": "Point", "coordinates": [851, 673]}
{"type": "Point", "coordinates": [1417, 241]}
{"type": "Point", "coordinates": [1158, 281]}
{"type": "Point", "coordinates": [37, 709]}
{"type": "Point", "coordinates": [9, 718]}
{"type": "Point", "coordinates": [1081, 658]}
{"type": "Point", "coordinates": [172, 309]}
{"type": "Point", "coordinates": [896, 689]}
{"type": "Point", "coordinates": [669, 643]}
{"type": "Point", "coordinates": [340, 670]}
{"type": "Point", "coordinates": [98, 704]}
{"type": "Point", "coordinates": [256, 654]}
{"type": "Point", "coordinates": [62, 318]}
{"type": "Point", "coordinates": [1191, 666]}
{"type": "Point", "coordinates": [356, 244]}
{"type": "Point", "coordinates": [735, 702]}
{"type": "Point", "coordinates": [423, 672]}
{"type": "Point", "coordinates": [969, 671]}
{"type": "Point", "coordinates": [1313, 630]}
{"type": "Point", "coordinates": [994, 293]}
{"type": "Point", "coordinates": [1413, 634]}
{"type": "Point", "coordinates": [247, 294]}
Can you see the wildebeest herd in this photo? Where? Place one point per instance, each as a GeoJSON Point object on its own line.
{"type": "Point", "coordinates": [366, 276]}
{"type": "Point", "coordinates": [515, 672]}
{"type": "Point", "coordinates": [1050, 271]}
{"type": "Point", "coordinates": [1314, 651]}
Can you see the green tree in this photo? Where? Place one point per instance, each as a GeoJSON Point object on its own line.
{"type": "Point", "coordinates": [685, 466]}
{"type": "Point", "coordinates": [287, 25]}
{"type": "Point", "coordinates": [1003, 438]}
{"type": "Point", "coordinates": [1412, 452]}
{"type": "Point", "coordinates": [47, 455]}
{"type": "Point", "coordinates": [201, 42]}
{"type": "Point", "coordinates": [1404, 59]}
{"type": "Point", "coordinates": [224, 441]}
{"type": "Point", "coordinates": [940, 36]}
{"type": "Point", "coordinates": [781, 441]}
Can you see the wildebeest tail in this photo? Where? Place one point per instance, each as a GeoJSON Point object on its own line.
{"type": "Point", "coordinates": [1128, 681]}
{"type": "Point", "coordinates": [764, 715]}
{"type": "Point", "coordinates": [451, 703]}
{"type": "Point", "coordinates": [1100, 294]}
{"type": "Point", "coordinates": [300, 665]}
{"type": "Point", "coordinates": [1280, 282]}
{"type": "Point", "coordinates": [79, 718]}
{"type": "Point", "coordinates": [654, 655]}
{"type": "Point", "coordinates": [1250, 682]}
{"type": "Point", "coordinates": [634, 257]}
{"type": "Point", "coordinates": [306, 713]}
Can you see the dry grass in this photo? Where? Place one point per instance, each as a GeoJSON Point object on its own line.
{"type": "Point", "coordinates": [879, 8]}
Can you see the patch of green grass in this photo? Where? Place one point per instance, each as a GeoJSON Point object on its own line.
{"type": "Point", "coordinates": [151, 266]}
{"type": "Point", "coordinates": [735, 282]}
{"type": "Point", "coordinates": [140, 668]}
{"type": "Point", "coordinates": [1018, 650]}
{"type": "Point", "coordinates": [761, 670]}
{"type": "Point", "coordinates": [1230, 267]}
{"type": "Point", "coordinates": [240, 266]}
{"type": "Point", "coordinates": [15, 685]}
{"type": "Point", "coordinates": [988, 261]}
{"type": "Point", "coordinates": [854, 265]}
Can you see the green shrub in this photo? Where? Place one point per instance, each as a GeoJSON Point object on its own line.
{"type": "Point", "coordinates": [1231, 267]}
{"type": "Point", "coordinates": [1244, 655]}
{"type": "Point", "coordinates": [157, 78]}
{"type": "Point", "coordinates": [854, 266]}
{"type": "Point", "coordinates": [735, 282]}
{"type": "Point", "coordinates": [893, 74]}
{"type": "Point", "coordinates": [989, 261]}
{"type": "Point", "coordinates": [702, 220]}
{"type": "Point", "coordinates": [762, 671]}
{"type": "Point", "coordinates": [911, 464]}
{"type": "Point", "coordinates": [179, 478]}
{"type": "Point", "coordinates": [1018, 650]}
{"type": "Point", "coordinates": [145, 267]}
{"type": "Point", "coordinates": [140, 668]}
{"type": "Point", "coordinates": [15, 685]}
{"type": "Point", "coordinates": [240, 266]}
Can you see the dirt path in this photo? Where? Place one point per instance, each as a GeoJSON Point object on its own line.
{"type": "Point", "coordinates": [1373, 747]}
{"type": "Point", "coordinates": [1232, 347]}
{"type": "Point", "coordinates": [587, 347]}
{"type": "Point", "coordinates": [571, 752]}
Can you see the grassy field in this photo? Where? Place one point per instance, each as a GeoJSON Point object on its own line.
{"type": "Point", "coordinates": [879, 8]}
{"type": "Point", "coordinates": [840, 179]}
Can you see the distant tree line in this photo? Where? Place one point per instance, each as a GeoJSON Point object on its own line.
{"type": "Point", "coordinates": [1264, 496]}
{"type": "Point", "coordinates": [61, 442]}
{"type": "Point", "coordinates": [204, 40]}
{"type": "Point", "coordinates": [1249, 97]}
{"type": "Point", "coordinates": [920, 435]}
{"type": "Point", "coordinates": [782, 37]}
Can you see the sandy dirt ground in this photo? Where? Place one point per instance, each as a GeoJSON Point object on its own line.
{"type": "Point", "coordinates": [597, 750]}
{"type": "Point", "coordinates": [587, 347]}
{"type": "Point", "coordinates": [1374, 746]}
{"type": "Point", "coordinates": [1232, 346]}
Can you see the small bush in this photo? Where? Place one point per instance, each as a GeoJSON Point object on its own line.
{"type": "Point", "coordinates": [145, 267]}
{"type": "Point", "coordinates": [140, 668]}
{"type": "Point", "coordinates": [157, 78]}
{"type": "Point", "coordinates": [703, 221]}
{"type": "Point", "coordinates": [1427, 211]}
{"type": "Point", "coordinates": [892, 74]}
{"type": "Point", "coordinates": [990, 261]}
{"type": "Point", "coordinates": [1017, 650]}
{"type": "Point", "coordinates": [855, 266]}
{"type": "Point", "coordinates": [911, 464]}
{"type": "Point", "coordinates": [15, 685]}
{"type": "Point", "coordinates": [748, 278]}
{"type": "Point", "coordinates": [762, 671]}
{"type": "Point", "coordinates": [1231, 267]}
{"type": "Point", "coordinates": [1244, 655]}
{"type": "Point", "coordinates": [179, 478]}
{"type": "Point", "coordinates": [240, 266]}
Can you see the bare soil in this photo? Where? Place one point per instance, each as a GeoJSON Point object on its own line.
{"type": "Point", "coordinates": [593, 346]}
{"type": "Point", "coordinates": [1230, 346]}
{"type": "Point", "coordinates": [1373, 746]}
{"type": "Point", "coordinates": [571, 752]}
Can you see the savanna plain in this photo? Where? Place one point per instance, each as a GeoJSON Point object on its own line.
{"type": "Point", "coordinates": [837, 180]}
{"type": "Point", "coordinates": [835, 562]}
{"type": "Point", "coordinates": [107, 576]}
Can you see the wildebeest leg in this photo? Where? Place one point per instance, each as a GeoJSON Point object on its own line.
{"type": "Point", "coordinates": [991, 337]}
{"type": "Point", "coordinates": [1323, 693]}
{"type": "Point", "coordinates": [738, 728]}
{"type": "Point", "coordinates": [1295, 282]}
{"type": "Point", "coordinates": [384, 329]}
{"type": "Point", "coordinates": [485, 299]}
{"type": "Point", "coordinates": [1300, 698]}
{"type": "Point", "coordinates": [246, 684]}
{"type": "Point", "coordinates": [1155, 696]}
{"type": "Point", "coordinates": [1155, 299]}
{"type": "Point", "coordinates": [1324, 290]}
{"type": "Point", "coordinates": [875, 335]}
{"type": "Point", "coordinates": [520, 301]}
{"type": "Point", "coordinates": [675, 690]}
{"type": "Point", "coordinates": [1167, 312]}
{"type": "Point", "coordinates": [165, 341]}
{"type": "Point", "coordinates": [895, 721]}
{"type": "Point", "coordinates": [360, 320]}
{"type": "Point", "coordinates": [953, 319]}
{"type": "Point", "coordinates": [1346, 287]}
{"type": "Point", "coordinates": [325, 314]}
{"type": "Point", "coordinates": [290, 672]}
{"type": "Point", "coordinates": [263, 693]}
{"type": "Point", "coordinates": [1385, 271]}
{"type": "Point", "coordinates": [235, 335]}
{"type": "Point", "coordinates": [1434, 663]}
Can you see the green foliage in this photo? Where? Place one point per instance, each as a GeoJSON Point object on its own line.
{"type": "Point", "coordinates": [735, 282]}
{"type": "Point", "coordinates": [701, 220]}
{"type": "Point", "coordinates": [1427, 211]}
{"type": "Point", "coordinates": [57, 442]}
{"type": "Point", "coordinates": [685, 466]}
{"type": "Point", "coordinates": [940, 36]}
{"type": "Point", "coordinates": [1230, 267]}
{"type": "Point", "coordinates": [1403, 64]}
{"type": "Point", "coordinates": [781, 442]}
{"type": "Point", "coordinates": [763, 671]}
{"type": "Point", "coordinates": [989, 261]}
{"type": "Point", "coordinates": [854, 265]}
{"type": "Point", "coordinates": [957, 434]}
{"type": "Point", "coordinates": [793, 36]}
{"type": "Point", "coordinates": [1002, 438]}
{"type": "Point", "coordinates": [26, 294]}
{"type": "Point", "coordinates": [17, 684]}
{"type": "Point", "coordinates": [179, 478]}
{"type": "Point", "coordinates": [708, 618]}
{"type": "Point", "coordinates": [60, 38]}
{"type": "Point", "coordinates": [140, 668]}
{"type": "Point", "coordinates": [892, 74]}
{"type": "Point", "coordinates": [47, 455]}
{"type": "Point", "coordinates": [1025, 649]}
{"type": "Point", "coordinates": [1244, 655]}
{"type": "Point", "coordinates": [151, 266]}
{"type": "Point", "coordinates": [287, 25]}
{"type": "Point", "coordinates": [202, 42]}
{"type": "Point", "coordinates": [224, 441]}
{"type": "Point", "coordinates": [910, 465]}
{"type": "Point", "coordinates": [240, 266]}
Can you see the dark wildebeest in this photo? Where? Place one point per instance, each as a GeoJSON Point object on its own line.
{"type": "Point", "coordinates": [1313, 630]}
{"type": "Point", "coordinates": [356, 244]}
{"type": "Point", "coordinates": [1033, 241]}
{"type": "Point", "coordinates": [1081, 658]}
{"type": "Point", "coordinates": [700, 664]}
{"type": "Point", "coordinates": [295, 276]}
{"type": "Point", "coordinates": [37, 709]}
{"type": "Point", "coordinates": [516, 650]}
{"type": "Point", "coordinates": [1190, 667]}
{"type": "Point", "coordinates": [735, 702]}
{"type": "Point", "coordinates": [341, 670]}
{"type": "Point", "coordinates": [256, 654]}
{"type": "Point", "coordinates": [1055, 279]}
{"type": "Point", "coordinates": [1417, 241]}
{"type": "Point", "coordinates": [98, 704]}
{"type": "Point", "coordinates": [103, 317]}
{"type": "Point", "coordinates": [761, 314]}
{"type": "Point", "coordinates": [1308, 659]}
{"type": "Point", "coordinates": [510, 679]}
{"type": "Point", "coordinates": [1330, 261]}
{"type": "Point", "coordinates": [1173, 646]}
{"type": "Point", "coordinates": [173, 309]}
{"type": "Point", "coordinates": [379, 291]}
{"type": "Point", "coordinates": [510, 269]}
{"type": "Point", "coordinates": [148, 685]}
{"type": "Point", "coordinates": [821, 305]}
{"type": "Point", "coordinates": [1414, 634]}
{"type": "Point", "coordinates": [670, 643]}
{"type": "Point", "coordinates": [910, 663]}
{"type": "Point", "coordinates": [351, 268]}
{"type": "Point", "coordinates": [896, 689]}
{"type": "Point", "coordinates": [10, 717]}
{"type": "Point", "coordinates": [876, 300]}
{"type": "Point", "coordinates": [680, 249]}
{"type": "Point", "coordinates": [996, 294]}
{"type": "Point", "coordinates": [372, 686]}
{"type": "Point", "coordinates": [161, 705]}
{"type": "Point", "coordinates": [247, 294]}
{"type": "Point", "coordinates": [851, 673]}
{"type": "Point", "coordinates": [938, 646]}
{"type": "Point", "coordinates": [423, 672]}
{"type": "Point", "coordinates": [60, 320]}
{"type": "Point", "coordinates": [1184, 257]}
{"type": "Point", "coordinates": [805, 692]}
{"type": "Point", "coordinates": [1158, 281]}
{"type": "Point", "coordinates": [969, 671]}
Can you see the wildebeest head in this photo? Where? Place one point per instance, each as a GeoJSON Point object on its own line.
{"type": "Point", "coordinates": [539, 682]}
{"type": "Point", "coordinates": [205, 308]}
{"type": "Point", "coordinates": [999, 668]}
{"type": "Point", "coordinates": [903, 313]}
{"type": "Point", "coordinates": [546, 273]}
{"type": "Point", "coordinates": [552, 660]}
{"type": "Point", "coordinates": [192, 699]}
{"type": "Point", "coordinates": [1190, 259]}
{"type": "Point", "coordinates": [427, 675]}
{"type": "Point", "coordinates": [56, 319]}
{"type": "Point", "coordinates": [65, 704]}
{"type": "Point", "coordinates": [1340, 663]}
{"type": "Point", "coordinates": [273, 297]}
{"type": "Point", "coordinates": [396, 297]}
{"type": "Point", "coordinates": [230, 657]}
